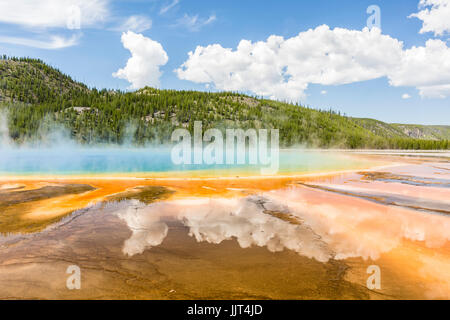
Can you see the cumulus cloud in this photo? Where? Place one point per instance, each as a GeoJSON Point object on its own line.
{"type": "Point", "coordinates": [52, 13]}
{"type": "Point", "coordinates": [435, 15]}
{"type": "Point", "coordinates": [283, 68]}
{"type": "Point", "coordinates": [423, 66]}
{"type": "Point", "coordinates": [135, 23]}
{"type": "Point", "coordinates": [427, 68]}
{"type": "Point", "coordinates": [194, 23]}
{"type": "Point", "coordinates": [147, 56]}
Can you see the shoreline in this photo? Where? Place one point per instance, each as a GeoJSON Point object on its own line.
{"type": "Point", "coordinates": [376, 160]}
{"type": "Point", "coordinates": [124, 176]}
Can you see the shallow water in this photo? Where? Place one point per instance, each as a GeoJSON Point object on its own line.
{"type": "Point", "coordinates": [298, 238]}
{"type": "Point", "coordinates": [115, 265]}
{"type": "Point", "coordinates": [85, 161]}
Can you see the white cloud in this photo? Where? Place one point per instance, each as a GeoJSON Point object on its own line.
{"type": "Point", "coordinates": [438, 92]}
{"type": "Point", "coordinates": [406, 96]}
{"type": "Point", "coordinates": [135, 23]}
{"type": "Point", "coordinates": [54, 42]}
{"type": "Point", "coordinates": [194, 23]}
{"type": "Point", "coordinates": [147, 56]}
{"type": "Point", "coordinates": [39, 16]}
{"type": "Point", "coordinates": [169, 6]}
{"type": "Point", "coordinates": [283, 68]}
{"type": "Point", "coordinates": [323, 92]}
{"type": "Point", "coordinates": [427, 68]}
{"type": "Point", "coordinates": [435, 15]}
{"type": "Point", "coordinates": [52, 13]}
{"type": "Point", "coordinates": [423, 66]}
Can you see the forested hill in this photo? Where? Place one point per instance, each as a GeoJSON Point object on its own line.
{"type": "Point", "coordinates": [37, 98]}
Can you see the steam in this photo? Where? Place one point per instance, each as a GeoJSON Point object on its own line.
{"type": "Point", "coordinates": [52, 134]}
{"type": "Point", "coordinates": [49, 135]}
{"type": "Point", "coordinates": [52, 150]}
{"type": "Point", "coordinates": [5, 140]}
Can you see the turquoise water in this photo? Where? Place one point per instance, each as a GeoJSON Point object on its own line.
{"type": "Point", "coordinates": [69, 161]}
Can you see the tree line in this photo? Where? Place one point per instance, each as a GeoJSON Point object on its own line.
{"type": "Point", "coordinates": [38, 99]}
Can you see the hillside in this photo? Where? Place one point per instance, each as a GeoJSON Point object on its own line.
{"type": "Point", "coordinates": [418, 131]}
{"type": "Point", "coordinates": [380, 128]}
{"type": "Point", "coordinates": [39, 99]}
{"type": "Point", "coordinates": [414, 131]}
{"type": "Point", "coordinates": [32, 81]}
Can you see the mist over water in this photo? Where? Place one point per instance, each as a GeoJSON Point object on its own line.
{"type": "Point", "coordinates": [323, 226]}
{"type": "Point", "coordinates": [4, 132]}
{"type": "Point", "coordinates": [56, 153]}
{"type": "Point", "coordinates": [73, 159]}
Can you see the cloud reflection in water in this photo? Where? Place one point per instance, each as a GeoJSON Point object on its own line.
{"type": "Point", "coordinates": [216, 220]}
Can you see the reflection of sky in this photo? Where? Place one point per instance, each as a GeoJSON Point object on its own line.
{"type": "Point", "coordinates": [125, 160]}
{"type": "Point", "coordinates": [215, 221]}
{"type": "Point", "coordinates": [318, 230]}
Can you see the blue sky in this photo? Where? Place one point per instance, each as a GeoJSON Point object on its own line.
{"type": "Point", "coordinates": [180, 26]}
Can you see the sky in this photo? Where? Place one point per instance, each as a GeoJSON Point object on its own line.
{"type": "Point", "coordinates": [388, 60]}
